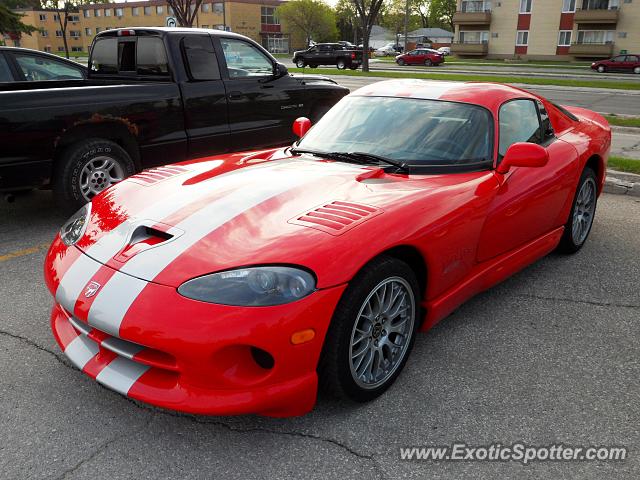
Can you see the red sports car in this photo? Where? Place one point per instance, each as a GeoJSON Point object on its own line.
{"type": "Point", "coordinates": [239, 283]}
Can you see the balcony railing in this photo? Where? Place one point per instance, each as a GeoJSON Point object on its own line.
{"type": "Point", "coordinates": [596, 15]}
{"type": "Point", "coordinates": [472, 18]}
{"type": "Point", "coordinates": [591, 49]}
{"type": "Point", "coordinates": [470, 48]}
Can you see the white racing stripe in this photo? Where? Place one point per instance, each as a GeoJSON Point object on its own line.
{"type": "Point", "coordinates": [83, 269]}
{"type": "Point", "coordinates": [81, 350]}
{"type": "Point", "coordinates": [121, 374]}
{"type": "Point", "coordinates": [117, 296]}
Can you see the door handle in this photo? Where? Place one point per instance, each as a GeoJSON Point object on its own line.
{"type": "Point", "coordinates": [266, 86]}
{"type": "Point", "coordinates": [234, 95]}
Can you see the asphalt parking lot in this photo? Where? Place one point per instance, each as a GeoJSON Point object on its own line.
{"type": "Point", "coordinates": [551, 355]}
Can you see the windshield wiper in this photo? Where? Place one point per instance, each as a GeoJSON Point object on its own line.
{"type": "Point", "coordinates": [360, 158]}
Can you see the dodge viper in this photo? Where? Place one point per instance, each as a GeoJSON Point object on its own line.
{"type": "Point", "coordinates": [244, 282]}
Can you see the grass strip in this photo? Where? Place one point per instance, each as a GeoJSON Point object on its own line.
{"type": "Point", "coordinates": [630, 165]}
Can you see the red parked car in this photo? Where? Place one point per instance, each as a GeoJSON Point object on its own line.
{"type": "Point", "coordinates": [241, 283]}
{"type": "Point", "coordinates": [421, 56]}
{"type": "Point", "coordinates": [620, 63]}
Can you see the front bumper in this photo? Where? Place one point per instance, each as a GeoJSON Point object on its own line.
{"type": "Point", "coordinates": [196, 357]}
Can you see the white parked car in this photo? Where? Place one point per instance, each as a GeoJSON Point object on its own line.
{"type": "Point", "coordinates": [445, 50]}
{"type": "Point", "coordinates": [386, 51]}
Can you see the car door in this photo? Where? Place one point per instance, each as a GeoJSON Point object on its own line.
{"type": "Point", "coordinates": [262, 103]}
{"type": "Point", "coordinates": [204, 96]}
{"type": "Point", "coordinates": [6, 75]}
{"type": "Point", "coordinates": [35, 68]}
{"type": "Point", "coordinates": [617, 63]}
{"type": "Point", "coordinates": [529, 201]}
{"type": "Point", "coordinates": [630, 62]}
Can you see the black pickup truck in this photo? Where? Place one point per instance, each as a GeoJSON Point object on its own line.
{"type": "Point", "coordinates": [152, 96]}
{"type": "Point", "coordinates": [328, 54]}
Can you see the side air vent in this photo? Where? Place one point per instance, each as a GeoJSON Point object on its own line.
{"type": "Point", "coordinates": [336, 217]}
{"type": "Point", "coordinates": [155, 175]}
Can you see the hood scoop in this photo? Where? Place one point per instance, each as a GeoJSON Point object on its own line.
{"type": "Point", "coordinates": [336, 217]}
{"type": "Point", "coordinates": [155, 175]}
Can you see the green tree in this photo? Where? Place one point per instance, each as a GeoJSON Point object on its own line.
{"type": "Point", "coordinates": [368, 11]}
{"type": "Point", "coordinates": [11, 23]}
{"type": "Point", "coordinates": [443, 10]}
{"type": "Point", "coordinates": [310, 19]}
{"type": "Point", "coordinates": [347, 20]}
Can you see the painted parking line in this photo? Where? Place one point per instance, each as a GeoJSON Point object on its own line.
{"type": "Point", "coordinates": [24, 252]}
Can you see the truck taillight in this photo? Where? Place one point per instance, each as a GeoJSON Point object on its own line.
{"type": "Point", "coordinates": [126, 33]}
{"type": "Point", "coordinates": [353, 55]}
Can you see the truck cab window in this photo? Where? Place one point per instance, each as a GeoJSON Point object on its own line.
{"type": "Point", "coordinates": [151, 57]}
{"type": "Point", "coordinates": [104, 56]}
{"type": "Point", "coordinates": [200, 57]}
{"type": "Point", "coordinates": [127, 56]}
{"type": "Point", "coordinates": [244, 59]}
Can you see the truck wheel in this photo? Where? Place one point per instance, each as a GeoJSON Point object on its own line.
{"type": "Point", "coordinates": [341, 64]}
{"type": "Point", "coordinates": [300, 63]}
{"type": "Point", "coordinates": [88, 167]}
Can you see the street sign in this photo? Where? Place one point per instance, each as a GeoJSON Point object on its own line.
{"type": "Point", "coordinates": [171, 22]}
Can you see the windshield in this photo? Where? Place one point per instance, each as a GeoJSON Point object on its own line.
{"type": "Point", "coordinates": [415, 131]}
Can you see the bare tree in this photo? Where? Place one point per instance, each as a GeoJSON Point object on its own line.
{"type": "Point", "coordinates": [186, 11]}
{"type": "Point", "coordinates": [64, 10]}
{"type": "Point", "coordinates": [368, 11]}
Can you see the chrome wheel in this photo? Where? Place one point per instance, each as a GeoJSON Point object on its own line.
{"type": "Point", "coordinates": [382, 332]}
{"type": "Point", "coordinates": [583, 211]}
{"type": "Point", "coordinates": [99, 173]}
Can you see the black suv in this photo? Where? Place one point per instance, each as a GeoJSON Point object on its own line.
{"type": "Point", "coordinates": [328, 54]}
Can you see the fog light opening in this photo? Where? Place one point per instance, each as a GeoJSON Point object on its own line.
{"type": "Point", "coordinates": [262, 358]}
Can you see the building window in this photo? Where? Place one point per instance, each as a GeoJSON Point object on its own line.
{"type": "Point", "coordinates": [119, 12]}
{"type": "Point", "coordinates": [525, 6]}
{"type": "Point", "coordinates": [74, 18]}
{"type": "Point", "coordinates": [77, 49]}
{"type": "Point", "coordinates": [56, 17]}
{"type": "Point", "coordinates": [205, 7]}
{"type": "Point", "coordinates": [205, 26]}
{"type": "Point", "coordinates": [88, 32]}
{"type": "Point", "coordinates": [97, 13]}
{"type": "Point", "coordinates": [471, 6]}
{"type": "Point", "coordinates": [522, 38]}
{"type": "Point", "coordinates": [564, 38]}
{"type": "Point", "coordinates": [217, 8]}
{"type": "Point", "coordinates": [61, 49]}
{"type": "Point", "coordinates": [622, 34]}
{"type": "Point", "coordinates": [277, 44]}
{"type": "Point", "coordinates": [269, 16]}
{"type": "Point", "coordinates": [44, 33]}
{"type": "Point", "coordinates": [86, 13]}
{"type": "Point", "coordinates": [58, 33]}
{"type": "Point", "coordinates": [600, 4]}
{"type": "Point", "coordinates": [474, 37]}
{"type": "Point", "coordinates": [568, 6]}
{"type": "Point", "coordinates": [74, 33]}
{"type": "Point", "coordinates": [42, 17]}
{"type": "Point", "coordinates": [135, 11]}
{"type": "Point", "coordinates": [107, 12]}
{"type": "Point", "coordinates": [159, 9]}
{"type": "Point", "coordinates": [47, 49]}
{"type": "Point", "coordinates": [595, 36]}
{"type": "Point", "coordinates": [494, 35]}
{"type": "Point", "coordinates": [147, 10]}
{"type": "Point", "coordinates": [97, 30]}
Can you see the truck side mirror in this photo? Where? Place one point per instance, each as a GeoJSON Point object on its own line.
{"type": "Point", "coordinates": [280, 70]}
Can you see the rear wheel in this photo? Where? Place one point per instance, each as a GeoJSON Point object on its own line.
{"type": "Point", "coordinates": [372, 331]}
{"type": "Point", "coordinates": [583, 210]}
{"type": "Point", "coordinates": [300, 63]}
{"type": "Point", "coordinates": [87, 168]}
{"type": "Point", "coordinates": [427, 63]}
{"type": "Point", "coordinates": [636, 70]}
{"type": "Point", "coordinates": [602, 69]}
{"type": "Point", "coordinates": [341, 64]}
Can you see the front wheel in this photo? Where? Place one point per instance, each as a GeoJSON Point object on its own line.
{"type": "Point", "coordinates": [636, 70]}
{"type": "Point", "coordinates": [401, 62]}
{"type": "Point", "coordinates": [583, 210]}
{"type": "Point", "coordinates": [300, 63]}
{"type": "Point", "coordinates": [341, 64]}
{"type": "Point", "coordinates": [87, 168]}
{"type": "Point", "coordinates": [601, 69]}
{"type": "Point", "coordinates": [372, 331]}
{"type": "Point", "coordinates": [428, 63]}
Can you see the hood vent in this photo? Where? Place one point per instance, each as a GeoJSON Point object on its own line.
{"type": "Point", "coordinates": [155, 175]}
{"type": "Point", "coordinates": [336, 217]}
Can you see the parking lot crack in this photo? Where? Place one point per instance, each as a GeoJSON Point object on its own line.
{"type": "Point", "coordinates": [37, 346]}
{"type": "Point", "coordinates": [578, 301]}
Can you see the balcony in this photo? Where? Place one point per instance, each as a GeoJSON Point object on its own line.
{"type": "Point", "coordinates": [596, 15]}
{"type": "Point", "coordinates": [472, 18]}
{"type": "Point", "coordinates": [591, 50]}
{"type": "Point", "coordinates": [470, 48]}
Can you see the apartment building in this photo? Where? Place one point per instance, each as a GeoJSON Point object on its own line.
{"type": "Point", "coordinates": [254, 18]}
{"type": "Point", "coordinates": [546, 29]}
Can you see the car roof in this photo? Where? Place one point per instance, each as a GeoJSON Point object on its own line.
{"type": "Point", "coordinates": [486, 94]}
{"type": "Point", "coordinates": [172, 30]}
{"type": "Point", "coordinates": [43, 54]}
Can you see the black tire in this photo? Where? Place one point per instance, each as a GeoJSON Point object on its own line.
{"type": "Point", "coordinates": [341, 64]}
{"type": "Point", "coordinates": [400, 62]}
{"type": "Point", "coordinates": [300, 63]}
{"type": "Point", "coordinates": [70, 165]}
{"type": "Point", "coordinates": [569, 243]}
{"type": "Point", "coordinates": [428, 63]}
{"type": "Point", "coordinates": [334, 368]}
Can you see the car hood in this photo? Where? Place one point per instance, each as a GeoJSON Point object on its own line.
{"type": "Point", "coordinates": [174, 223]}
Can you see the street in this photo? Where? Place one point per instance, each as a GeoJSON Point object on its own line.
{"type": "Point", "coordinates": [550, 355]}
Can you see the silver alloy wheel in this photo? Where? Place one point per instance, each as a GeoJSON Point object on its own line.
{"type": "Point", "coordinates": [583, 211]}
{"type": "Point", "coordinates": [601, 69]}
{"type": "Point", "coordinates": [300, 64]}
{"type": "Point", "coordinates": [382, 332]}
{"type": "Point", "coordinates": [99, 173]}
{"type": "Point", "coordinates": [636, 70]}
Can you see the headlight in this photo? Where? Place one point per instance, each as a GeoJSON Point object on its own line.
{"type": "Point", "coordinates": [74, 228]}
{"type": "Point", "coordinates": [251, 287]}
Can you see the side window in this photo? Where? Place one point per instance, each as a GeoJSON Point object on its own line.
{"type": "Point", "coordinates": [151, 57]}
{"type": "Point", "coordinates": [5, 73]}
{"type": "Point", "coordinates": [632, 58]}
{"type": "Point", "coordinates": [244, 59]}
{"type": "Point", "coordinates": [104, 56]}
{"type": "Point", "coordinates": [619, 58]}
{"type": "Point", "coordinates": [36, 68]}
{"type": "Point", "coordinates": [200, 57]}
{"type": "Point", "coordinates": [518, 123]}
{"type": "Point", "coordinates": [547, 128]}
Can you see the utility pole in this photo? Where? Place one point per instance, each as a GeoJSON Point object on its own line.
{"type": "Point", "coordinates": [224, 15]}
{"type": "Point", "coordinates": [406, 26]}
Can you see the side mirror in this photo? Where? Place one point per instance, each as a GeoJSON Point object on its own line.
{"type": "Point", "coordinates": [301, 125]}
{"type": "Point", "coordinates": [523, 154]}
{"type": "Point", "coordinates": [280, 70]}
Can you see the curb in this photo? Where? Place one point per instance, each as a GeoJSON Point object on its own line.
{"type": "Point", "coordinates": [622, 183]}
{"type": "Point", "coordinates": [621, 129]}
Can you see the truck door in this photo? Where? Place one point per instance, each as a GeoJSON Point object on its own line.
{"type": "Point", "coordinates": [204, 97]}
